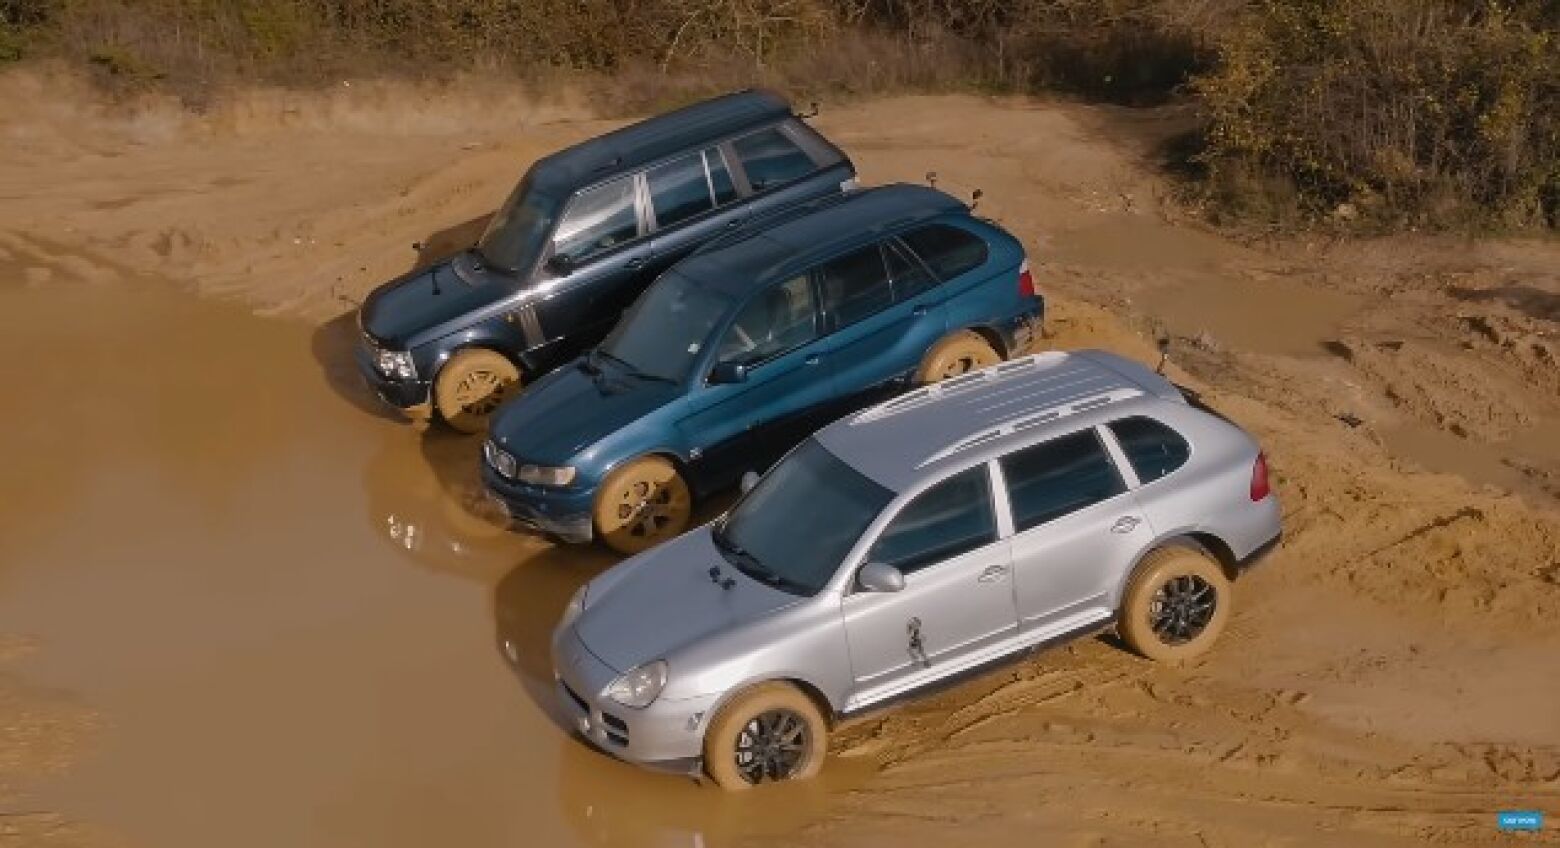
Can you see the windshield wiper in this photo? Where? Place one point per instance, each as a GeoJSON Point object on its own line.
{"type": "Point", "coordinates": [749, 564]}
{"type": "Point", "coordinates": [633, 371]}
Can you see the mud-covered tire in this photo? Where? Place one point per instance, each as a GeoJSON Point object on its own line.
{"type": "Point", "coordinates": [1176, 604]}
{"type": "Point", "coordinates": [471, 386]}
{"type": "Point", "coordinates": [734, 744]}
{"type": "Point", "coordinates": [959, 353]}
{"type": "Point", "coordinates": [642, 504]}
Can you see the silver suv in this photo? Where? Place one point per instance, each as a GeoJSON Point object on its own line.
{"type": "Point", "coordinates": [1024, 504]}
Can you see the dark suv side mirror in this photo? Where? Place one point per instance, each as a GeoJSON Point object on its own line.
{"type": "Point", "coordinates": [561, 264]}
{"type": "Point", "coordinates": [728, 372]}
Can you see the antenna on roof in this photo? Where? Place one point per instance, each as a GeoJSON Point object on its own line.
{"type": "Point", "coordinates": [812, 111]}
{"type": "Point", "coordinates": [975, 197]}
{"type": "Point", "coordinates": [931, 178]}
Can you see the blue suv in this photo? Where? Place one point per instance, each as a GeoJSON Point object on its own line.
{"type": "Point", "coordinates": [743, 349]}
{"type": "Point", "coordinates": [586, 230]}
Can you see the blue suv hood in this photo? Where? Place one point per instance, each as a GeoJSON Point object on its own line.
{"type": "Point", "coordinates": [400, 310]}
{"type": "Point", "coordinates": [568, 410]}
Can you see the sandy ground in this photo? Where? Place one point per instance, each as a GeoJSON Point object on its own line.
{"type": "Point", "coordinates": [1390, 676]}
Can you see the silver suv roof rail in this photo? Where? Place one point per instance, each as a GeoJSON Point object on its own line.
{"type": "Point", "coordinates": [937, 391]}
{"type": "Point", "coordinates": [1033, 419]}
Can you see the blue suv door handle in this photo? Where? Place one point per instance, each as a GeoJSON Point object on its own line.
{"type": "Point", "coordinates": [635, 264]}
{"type": "Point", "coordinates": [919, 311]}
{"type": "Point", "coordinates": [812, 359]}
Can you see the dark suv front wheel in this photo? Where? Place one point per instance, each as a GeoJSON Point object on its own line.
{"type": "Point", "coordinates": [471, 386]}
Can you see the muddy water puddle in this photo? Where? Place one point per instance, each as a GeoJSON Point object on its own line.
{"type": "Point", "coordinates": [1274, 316]}
{"type": "Point", "coordinates": [292, 632]}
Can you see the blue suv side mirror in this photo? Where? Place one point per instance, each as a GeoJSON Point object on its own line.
{"type": "Point", "coordinates": [728, 372]}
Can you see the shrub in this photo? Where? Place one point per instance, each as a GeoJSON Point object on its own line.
{"type": "Point", "coordinates": [1431, 112]}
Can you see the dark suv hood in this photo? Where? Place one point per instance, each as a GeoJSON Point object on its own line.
{"type": "Point", "coordinates": [566, 411]}
{"type": "Point", "coordinates": [400, 310]}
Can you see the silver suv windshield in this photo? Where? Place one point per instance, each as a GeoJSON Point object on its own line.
{"type": "Point", "coordinates": [664, 331]}
{"type": "Point", "coordinates": [794, 528]}
{"type": "Point", "coordinates": [518, 231]}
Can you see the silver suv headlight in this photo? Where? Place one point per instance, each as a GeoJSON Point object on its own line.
{"type": "Point", "coordinates": [396, 364]}
{"type": "Point", "coordinates": [640, 686]}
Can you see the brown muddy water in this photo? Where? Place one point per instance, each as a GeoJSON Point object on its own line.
{"type": "Point", "coordinates": [293, 633]}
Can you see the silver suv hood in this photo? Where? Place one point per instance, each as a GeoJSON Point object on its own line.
{"type": "Point", "coordinates": [646, 608]}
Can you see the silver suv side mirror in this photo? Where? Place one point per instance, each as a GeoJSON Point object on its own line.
{"type": "Point", "coordinates": [749, 480]}
{"type": "Point", "coordinates": [880, 577]}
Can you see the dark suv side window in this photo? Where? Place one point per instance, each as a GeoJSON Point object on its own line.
{"type": "Point", "coordinates": [1050, 480]}
{"type": "Point", "coordinates": [1153, 448]}
{"type": "Point", "coordinates": [771, 159]}
{"type": "Point", "coordinates": [853, 287]}
{"type": "Point", "coordinates": [947, 250]}
{"type": "Point", "coordinates": [720, 177]}
{"type": "Point", "coordinates": [948, 519]}
{"type": "Point", "coordinates": [679, 190]}
{"type": "Point", "coordinates": [598, 219]}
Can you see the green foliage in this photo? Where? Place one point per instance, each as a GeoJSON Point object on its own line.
{"type": "Point", "coordinates": [1429, 112]}
{"type": "Point", "coordinates": [1417, 112]}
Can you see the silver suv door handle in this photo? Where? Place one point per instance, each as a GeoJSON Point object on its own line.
{"type": "Point", "coordinates": [1126, 524]}
{"type": "Point", "coordinates": [993, 573]}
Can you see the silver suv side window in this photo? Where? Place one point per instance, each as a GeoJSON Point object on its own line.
{"type": "Point", "coordinates": [1153, 448]}
{"type": "Point", "coordinates": [598, 220]}
{"type": "Point", "coordinates": [948, 519]}
{"type": "Point", "coordinates": [779, 319]}
{"type": "Point", "coordinates": [1055, 478]}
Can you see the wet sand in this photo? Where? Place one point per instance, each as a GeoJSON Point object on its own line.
{"type": "Point", "coordinates": [239, 605]}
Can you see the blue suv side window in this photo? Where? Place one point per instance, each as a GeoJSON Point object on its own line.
{"type": "Point", "coordinates": [909, 275]}
{"type": "Point", "coordinates": [948, 519]}
{"type": "Point", "coordinates": [720, 177]}
{"type": "Point", "coordinates": [770, 159]}
{"type": "Point", "coordinates": [853, 287]}
{"type": "Point", "coordinates": [1055, 478]}
{"type": "Point", "coordinates": [949, 251]}
{"type": "Point", "coordinates": [780, 319]}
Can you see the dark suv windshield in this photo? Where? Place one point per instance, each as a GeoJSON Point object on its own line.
{"type": "Point", "coordinates": [665, 330]}
{"type": "Point", "coordinates": [795, 527]}
{"type": "Point", "coordinates": [519, 229]}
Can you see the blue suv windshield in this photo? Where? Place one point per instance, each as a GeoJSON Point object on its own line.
{"type": "Point", "coordinates": [794, 528]}
{"type": "Point", "coordinates": [666, 329]}
{"type": "Point", "coordinates": [519, 229]}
